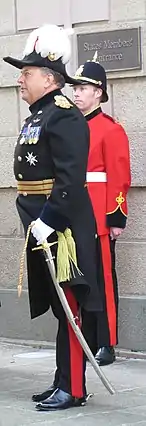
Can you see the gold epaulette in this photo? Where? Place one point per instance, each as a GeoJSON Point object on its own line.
{"type": "Point", "coordinates": [62, 102]}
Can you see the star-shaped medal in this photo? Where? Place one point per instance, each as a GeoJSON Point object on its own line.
{"type": "Point", "coordinates": [31, 159]}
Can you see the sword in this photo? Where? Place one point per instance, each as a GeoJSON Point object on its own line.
{"type": "Point", "coordinates": [71, 319]}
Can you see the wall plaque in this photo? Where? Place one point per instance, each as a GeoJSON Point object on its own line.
{"type": "Point", "coordinates": [117, 50]}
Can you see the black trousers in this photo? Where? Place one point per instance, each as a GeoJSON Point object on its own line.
{"type": "Point", "coordinates": [70, 359]}
{"type": "Point", "coordinates": [101, 328]}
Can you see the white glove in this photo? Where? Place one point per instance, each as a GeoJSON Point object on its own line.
{"type": "Point", "coordinates": [41, 231]}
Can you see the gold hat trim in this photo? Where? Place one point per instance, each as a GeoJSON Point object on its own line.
{"type": "Point", "coordinates": [90, 80]}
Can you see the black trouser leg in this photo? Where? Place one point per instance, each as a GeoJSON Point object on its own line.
{"type": "Point", "coordinates": [70, 360]}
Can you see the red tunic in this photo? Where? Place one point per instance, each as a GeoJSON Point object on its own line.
{"type": "Point", "coordinates": [109, 152]}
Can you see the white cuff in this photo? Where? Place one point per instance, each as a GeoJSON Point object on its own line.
{"type": "Point", "coordinates": [41, 231]}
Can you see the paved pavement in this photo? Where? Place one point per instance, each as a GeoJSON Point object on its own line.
{"type": "Point", "coordinates": [25, 370]}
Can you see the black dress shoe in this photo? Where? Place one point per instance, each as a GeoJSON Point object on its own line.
{"type": "Point", "coordinates": [60, 400]}
{"type": "Point", "coordinates": [105, 355]}
{"type": "Point", "coordinates": [37, 397]}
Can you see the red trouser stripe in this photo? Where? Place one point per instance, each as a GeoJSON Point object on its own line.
{"type": "Point", "coordinates": [109, 287]}
{"type": "Point", "coordinates": [76, 351]}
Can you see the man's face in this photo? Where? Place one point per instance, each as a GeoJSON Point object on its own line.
{"type": "Point", "coordinates": [33, 84]}
{"type": "Point", "coordinates": [86, 97]}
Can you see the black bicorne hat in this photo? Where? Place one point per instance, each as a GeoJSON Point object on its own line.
{"type": "Point", "coordinates": [36, 60]}
{"type": "Point", "coordinates": [92, 73]}
{"type": "Point", "coordinates": [48, 46]}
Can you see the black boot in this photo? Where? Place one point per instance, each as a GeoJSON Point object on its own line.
{"type": "Point", "coordinates": [105, 355]}
{"type": "Point", "coordinates": [60, 400]}
{"type": "Point", "coordinates": [37, 397]}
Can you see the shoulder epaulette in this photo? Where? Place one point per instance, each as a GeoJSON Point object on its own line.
{"type": "Point", "coordinates": [62, 102]}
{"type": "Point", "coordinates": [110, 118]}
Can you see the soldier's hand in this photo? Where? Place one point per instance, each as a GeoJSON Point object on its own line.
{"type": "Point", "coordinates": [115, 233]}
{"type": "Point", "coordinates": [41, 231]}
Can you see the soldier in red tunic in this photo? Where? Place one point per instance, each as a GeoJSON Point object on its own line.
{"type": "Point", "coordinates": [108, 180]}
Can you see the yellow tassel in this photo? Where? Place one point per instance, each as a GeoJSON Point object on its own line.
{"type": "Point", "coordinates": [66, 257]}
{"type": "Point", "coordinates": [63, 264]}
{"type": "Point", "coordinates": [71, 246]}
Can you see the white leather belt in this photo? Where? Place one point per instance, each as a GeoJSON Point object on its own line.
{"type": "Point", "coordinates": [96, 177]}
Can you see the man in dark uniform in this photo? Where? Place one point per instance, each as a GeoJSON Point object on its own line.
{"type": "Point", "coordinates": [50, 164]}
{"type": "Point", "coordinates": [108, 179]}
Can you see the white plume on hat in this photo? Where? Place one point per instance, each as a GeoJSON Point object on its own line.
{"type": "Point", "coordinates": [50, 40]}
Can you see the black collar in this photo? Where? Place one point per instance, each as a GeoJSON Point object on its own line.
{"type": "Point", "coordinates": [93, 113]}
{"type": "Point", "coordinates": [45, 100]}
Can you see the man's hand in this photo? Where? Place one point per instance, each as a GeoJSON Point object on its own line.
{"type": "Point", "coordinates": [115, 232]}
{"type": "Point", "coordinates": [41, 231]}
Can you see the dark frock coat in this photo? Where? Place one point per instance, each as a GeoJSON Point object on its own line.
{"type": "Point", "coordinates": [54, 143]}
